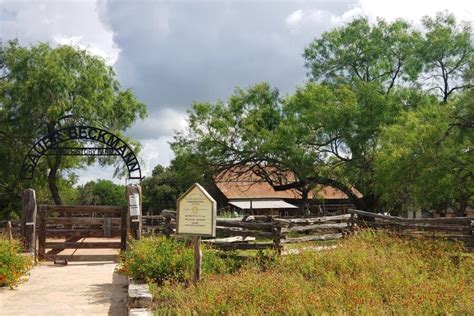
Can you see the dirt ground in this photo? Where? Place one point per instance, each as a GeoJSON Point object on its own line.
{"type": "Point", "coordinates": [88, 285]}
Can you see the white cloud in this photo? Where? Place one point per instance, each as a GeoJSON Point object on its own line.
{"type": "Point", "coordinates": [415, 10]}
{"type": "Point", "coordinates": [302, 20]}
{"type": "Point", "coordinates": [58, 22]}
{"type": "Point", "coordinates": [164, 122]}
{"type": "Point", "coordinates": [347, 16]}
{"type": "Point", "coordinates": [294, 18]}
{"type": "Point", "coordinates": [110, 57]}
{"type": "Point", "coordinates": [154, 151]}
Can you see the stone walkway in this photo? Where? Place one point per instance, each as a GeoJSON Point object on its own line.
{"type": "Point", "coordinates": [79, 288]}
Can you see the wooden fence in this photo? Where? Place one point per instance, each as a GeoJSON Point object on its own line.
{"type": "Point", "coordinates": [10, 228]}
{"type": "Point", "coordinates": [74, 222]}
{"type": "Point", "coordinates": [455, 228]}
{"type": "Point", "coordinates": [260, 232]}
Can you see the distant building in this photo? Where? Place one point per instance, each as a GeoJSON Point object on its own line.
{"type": "Point", "coordinates": [250, 194]}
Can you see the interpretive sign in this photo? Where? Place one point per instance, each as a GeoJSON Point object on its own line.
{"type": "Point", "coordinates": [196, 213]}
{"type": "Point", "coordinates": [135, 204]}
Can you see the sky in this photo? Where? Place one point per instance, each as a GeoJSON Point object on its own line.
{"type": "Point", "coordinates": [173, 53]}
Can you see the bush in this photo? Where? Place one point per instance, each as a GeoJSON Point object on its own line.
{"type": "Point", "coordinates": [13, 264]}
{"type": "Point", "coordinates": [372, 273]}
{"type": "Point", "coordinates": [160, 259]}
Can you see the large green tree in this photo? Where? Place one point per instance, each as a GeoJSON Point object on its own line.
{"type": "Point", "coordinates": [426, 158]}
{"type": "Point", "coordinates": [364, 77]}
{"type": "Point", "coordinates": [166, 184]}
{"type": "Point", "coordinates": [100, 192]}
{"type": "Point", "coordinates": [41, 84]}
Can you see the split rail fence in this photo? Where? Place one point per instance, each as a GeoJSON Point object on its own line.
{"type": "Point", "coordinates": [256, 232]}
{"type": "Point", "coordinates": [455, 228]}
{"type": "Point", "coordinates": [269, 232]}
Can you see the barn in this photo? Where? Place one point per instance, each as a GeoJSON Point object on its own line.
{"type": "Point", "coordinates": [249, 194]}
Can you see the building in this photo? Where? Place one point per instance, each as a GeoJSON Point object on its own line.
{"type": "Point", "coordinates": [249, 194]}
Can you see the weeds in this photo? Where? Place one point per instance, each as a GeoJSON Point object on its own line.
{"type": "Point", "coordinates": [372, 273]}
{"type": "Point", "coordinates": [13, 264]}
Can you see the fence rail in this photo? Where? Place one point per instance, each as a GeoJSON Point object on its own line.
{"type": "Point", "coordinates": [270, 232]}
{"type": "Point", "coordinates": [457, 228]}
{"type": "Point", "coordinates": [260, 232]}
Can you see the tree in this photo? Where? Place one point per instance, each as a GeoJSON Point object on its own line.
{"type": "Point", "coordinates": [426, 161]}
{"type": "Point", "coordinates": [384, 53]}
{"type": "Point", "coordinates": [319, 135]}
{"type": "Point", "coordinates": [363, 78]}
{"type": "Point", "coordinates": [160, 191]}
{"type": "Point", "coordinates": [39, 85]}
{"type": "Point", "coordinates": [101, 192]}
{"type": "Point", "coordinates": [394, 54]}
{"type": "Point", "coordinates": [446, 54]}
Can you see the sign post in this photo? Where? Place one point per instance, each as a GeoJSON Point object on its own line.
{"type": "Point", "coordinates": [196, 216]}
{"type": "Point", "coordinates": [134, 214]}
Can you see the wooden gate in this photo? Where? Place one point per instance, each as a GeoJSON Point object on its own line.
{"type": "Point", "coordinates": [75, 222]}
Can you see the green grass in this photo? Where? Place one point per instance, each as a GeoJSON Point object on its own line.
{"type": "Point", "coordinates": [372, 273]}
{"type": "Point", "coordinates": [158, 259]}
{"type": "Point", "coordinates": [13, 264]}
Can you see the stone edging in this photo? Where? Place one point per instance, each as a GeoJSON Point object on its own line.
{"type": "Point", "coordinates": [139, 298]}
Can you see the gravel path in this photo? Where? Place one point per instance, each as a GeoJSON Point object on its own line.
{"type": "Point", "coordinates": [79, 288]}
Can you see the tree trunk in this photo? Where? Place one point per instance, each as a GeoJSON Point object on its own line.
{"type": "Point", "coordinates": [461, 209]}
{"type": "Point", "coordinates": [52, 181]}
{"type": "Point", "coordinates": [304, 202]}
{"type": "Point", "coordinates": [367, 203]}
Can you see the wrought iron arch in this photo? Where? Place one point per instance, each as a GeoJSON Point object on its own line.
{"type": "Point", "coordinates": [47, 145]}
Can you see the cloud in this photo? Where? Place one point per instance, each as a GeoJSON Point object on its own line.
{"type": "Point", "coordinates": [415, 10]}
{"type": "Point", "coordinates": [163, 122]}
{"type": "Point", "coordinates": [154, 151]}
{"type": "Point", "coordinates": [294, 18]}
{"type": "Point", "coordinates": [174, 53]}
{"type": "Point", "coordinates": [58, 22]}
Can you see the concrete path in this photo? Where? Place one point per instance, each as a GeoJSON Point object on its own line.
{"type": "Point", "coordinates": [79, 288]}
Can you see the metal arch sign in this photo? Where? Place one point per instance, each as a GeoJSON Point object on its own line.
{"type": "Point", "coordinates": [47, 145]}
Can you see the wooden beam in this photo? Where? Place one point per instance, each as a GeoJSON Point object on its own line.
{"type": "Point", "coordinates": [80, 233]}
{"type": "Point", "coordinates": [107, 227]}
{"type": "Point", "coordinates": [316, 227]}
{"type": "Point", "coordinates": [84, 208]}
{"type": "Point", "coordinates": [28, 219]}
{"type": "Point", "coordinates": [451, 220]}
{"type": "Point", "coordinates": [42, 233]}
{"type": "Point", "coordinates": [312, 238]}
{"type": "Point", "coordinates": [82, 245]}
{"type": "Point", "coordinates": [243, 246]}
{"type": "Point", "coordinates": [81, 220]}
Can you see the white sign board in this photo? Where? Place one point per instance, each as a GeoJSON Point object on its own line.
{"type": "Point", "coordinates": [135, 204]}
{"type": "Point", "coordinates": [196, 213]}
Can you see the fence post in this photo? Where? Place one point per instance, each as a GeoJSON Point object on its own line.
{"type": "Point", "coordinates": [124, 228]}
{"type": "Point", "coordinates": [28, 219]}
{"type": "Point", "coordinates": [42, 232]}
{"type": "Point", "coordinates": [10, 230]}
{"type": "Point", "coordinates": [135, 221]}
{"type": "Point", "coordinates": [277, 239]}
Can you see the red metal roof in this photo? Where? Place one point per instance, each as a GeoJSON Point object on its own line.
{"type": "Point", "coordinates": [249, 186]}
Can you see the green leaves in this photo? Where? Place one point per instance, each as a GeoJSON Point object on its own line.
{"type": "Point", "coordinates": [360, 51]}
{"type": "Point", "coordinates": [42, 84]}
{"type": "Point", "coordinates": [422, 162]}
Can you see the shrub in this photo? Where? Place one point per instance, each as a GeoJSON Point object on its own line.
{"type": "Point", "coordinates": [372, 273]}
{"type": "Point", "coordinates": [13, 264]}
{"type": "Point", "coordinates": [160, 259]}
